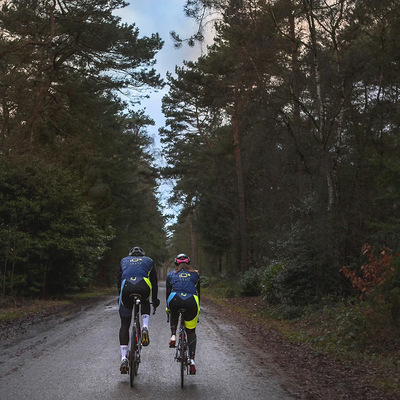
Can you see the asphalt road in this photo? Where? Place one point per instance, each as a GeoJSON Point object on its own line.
{"type": "Point", "coordinates": [78, 358]}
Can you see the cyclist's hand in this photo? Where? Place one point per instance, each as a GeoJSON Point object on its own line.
{"type": "Point", "coordinates": [167, 311]}
{"type": "Point", "coordinates": [156, 303]}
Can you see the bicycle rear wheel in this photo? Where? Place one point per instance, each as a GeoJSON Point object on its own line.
{"type": "Point", "coordinates": [133, 356]}
{"type": "Point", "coordinates": [136, 360]}
{"type": "Point", "coordinates": [183, 357]}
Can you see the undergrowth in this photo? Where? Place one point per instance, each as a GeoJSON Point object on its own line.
{"type": "Point", "coordinates": [354, 333]}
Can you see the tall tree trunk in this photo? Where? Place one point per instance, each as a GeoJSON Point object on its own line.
{"type": "Point", "coordinates": [220, 265]}
{"type": "Point", "coordinates": [13, 265]}
{"type": "Point", "coordinates": [296, 98]}
{"type": "Point", "coordinates": [193, 236]}
{"type": "Point", "coordinates": [5, 275]}
{"type": "Point", "coordinates": [240, 184]}
{"type": "Point", "coordinates": [320, 120]}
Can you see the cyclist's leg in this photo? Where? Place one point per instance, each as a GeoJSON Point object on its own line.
{"type": "Point", "coordinates": [125, 313]}
{"type": "Point", "coordinates": [175, 303]}
{"type": "Point", "coordinates": [145, 307]}
{"type": "Point", "coordinates": [145, 311]}
{"type": "Point", "coordinates": [192, 340]}
{"type": "Point", "coordinates": [191, 317]}
{"type": "Point", "coordinates": [143, 289]}
{"type": "Point", "coordinates": [124, 330]}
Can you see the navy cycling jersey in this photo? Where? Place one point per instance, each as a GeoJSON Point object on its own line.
{"type": "Point", "coordinates": [183, 282]}
{"type": "Point", "coordinates": [136, 268]}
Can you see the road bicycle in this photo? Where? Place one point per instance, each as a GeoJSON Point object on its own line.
{"type": "Point", "coordinates": [182, 348]}
{"type": "Point", "coordinates": [135, 349]}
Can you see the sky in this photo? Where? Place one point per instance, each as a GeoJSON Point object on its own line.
{"type": "Point", "coordinates": [162, 17]}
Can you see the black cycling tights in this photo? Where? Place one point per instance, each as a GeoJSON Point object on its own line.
{"type": "Point", "coordinates": [192, 339]}
{"type": "Point", "coordinates": [191, 336]}
{"type": "Point", "coordinates": [124, 331]}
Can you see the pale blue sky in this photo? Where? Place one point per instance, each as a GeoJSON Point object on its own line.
{"type": "Point", "coordinates": [162, 17]}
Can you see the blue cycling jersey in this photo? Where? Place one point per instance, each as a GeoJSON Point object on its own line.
{"type": "Point", "coordinates": [135, 268]}
{"type": "Point", "coordinates": [183, 282]}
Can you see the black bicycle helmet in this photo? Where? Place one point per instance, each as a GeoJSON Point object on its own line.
{"type": "Point", "coordinates": [182, 258]}
{"type": "Point", "coordinates": [137, 251]}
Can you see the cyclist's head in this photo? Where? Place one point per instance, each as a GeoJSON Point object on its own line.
{"type": "Point", "coordinates": [137, 251]}
{"type": "Point", "coordinates": [181, 258]}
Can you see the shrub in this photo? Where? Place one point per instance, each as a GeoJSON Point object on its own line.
{"type": "Point", "coordinates": [204, 281]}
{"type": "Point", "coordinates": [296, 285]}
{"type": "Point", "coordinates": [222, 286]}
{"type": "Point", "coordinates": [250, 284]}
{"type": "Point", "coordinates": [269, 288]}
{"type": "Point", "coordinates": [373, 274]}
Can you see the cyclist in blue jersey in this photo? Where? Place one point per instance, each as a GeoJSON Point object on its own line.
{"type": "Point", "coordinates": [137, 275]}
{"type": "Point", "coordinates": [183, 292]}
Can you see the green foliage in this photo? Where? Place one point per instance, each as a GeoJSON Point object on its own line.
{"type": "Point", "coordinates": [295, 287]}
{"type": "Point", "coordinates": [77, 182]}
{"type": "Point", "coordinates": [394, 296]}
{"type": "Point", "coordinates": [222, 286]}
{"type": "Point", "coordinates": [356, 326]}
{"type": "Point", "coordinates": [390, 292]}
{"type": "Point", "coordinates": [204, 281]}
{"type": "Point", "coordinates": [269, 284]}
{"type": "Point", "coordinates": [312, 105]}
{"type": "Point", "coordinates": [307, 266]}
{"type": "Point", "coordinates": [50, 241]}
{"type": "Point", "coordinates": [250, 283]}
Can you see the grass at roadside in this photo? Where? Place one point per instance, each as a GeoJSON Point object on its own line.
{"type": "Point", "coordinates": [14, 309]}
{"type": "Point", "coordinates": [346, 333]}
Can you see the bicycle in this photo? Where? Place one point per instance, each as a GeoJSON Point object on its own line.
{"type": "Point", "coordinates": [182, 349]}
{"type": "Point", "coordinates": [135, 350]}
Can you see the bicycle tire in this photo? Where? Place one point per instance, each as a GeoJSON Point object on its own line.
{"type": "Point", "coordinates": [132, 358]}
{"type": "Point", "coordinates": [136, 360]}
{"type": "Point", "coordinates": [182, 351]}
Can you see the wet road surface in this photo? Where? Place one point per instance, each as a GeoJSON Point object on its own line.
{"type": "Point", "coordinates": [78, 358]}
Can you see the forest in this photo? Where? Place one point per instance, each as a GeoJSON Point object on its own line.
{"type": "Point", "coordinates": [282, 142]}
{"type": "Point", "coordinates": [78, 184]}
